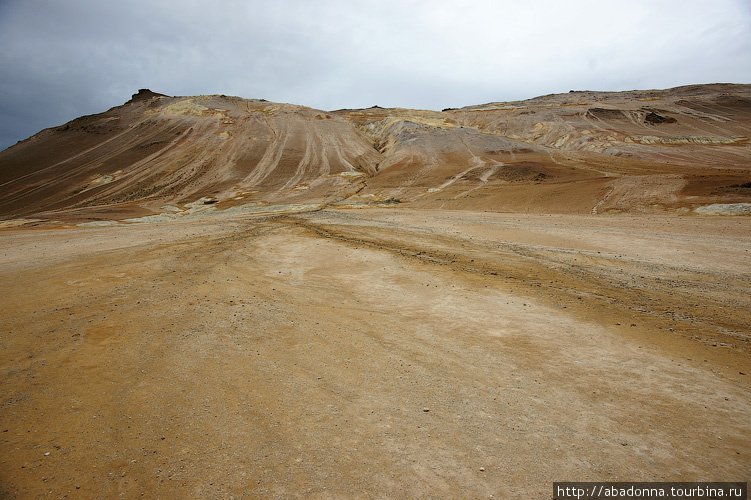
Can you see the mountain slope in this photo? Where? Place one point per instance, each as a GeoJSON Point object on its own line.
{"type": "Point", "coordinates": [161, 150]}
{"type": "Point", "coordinates": [578, 152]}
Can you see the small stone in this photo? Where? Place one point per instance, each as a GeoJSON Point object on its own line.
{"type": "Point", "coordinates": [47, 454]}
{"type": "Point", "coordinates": [482, 469]}
{"type": "Point", "coordinates": [426, 410]}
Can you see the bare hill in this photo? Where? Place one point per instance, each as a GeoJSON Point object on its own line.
{"type": "Point", "coordinates": [581, 152]}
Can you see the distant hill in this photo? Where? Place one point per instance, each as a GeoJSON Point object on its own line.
{"type": "Point", "coordinates": [584, 152]}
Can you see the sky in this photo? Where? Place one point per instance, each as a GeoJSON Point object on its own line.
{"type": "Point", "coordinates": [60, 59]}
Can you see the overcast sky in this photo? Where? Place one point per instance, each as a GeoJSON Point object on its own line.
{"type": "Point", "coordinates": [60, 59]}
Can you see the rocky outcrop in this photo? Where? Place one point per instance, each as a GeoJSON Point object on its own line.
{"type": "Point", "coordinates": [656, 119]}
{"type": "Point", "coordinates": [145, 95]}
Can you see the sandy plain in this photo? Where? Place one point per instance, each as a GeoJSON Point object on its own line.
{"type": "Point", "coordinates": [374, 353]}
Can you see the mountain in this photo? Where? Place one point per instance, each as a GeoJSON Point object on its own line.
{"type": "Point", "coordinates": [580, 152]}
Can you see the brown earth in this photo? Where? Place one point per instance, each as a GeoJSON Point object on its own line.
{"type": "Point", "coordinates": [383, 353]}
{"type": "Point", "coordinates": [215, 297]}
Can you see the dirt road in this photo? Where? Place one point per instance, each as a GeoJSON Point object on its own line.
{"type": "Point", "coordinates": [373, 354]}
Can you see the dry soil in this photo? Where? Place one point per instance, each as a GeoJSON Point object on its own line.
{"type": "Point", "coordinates": [381, 353]}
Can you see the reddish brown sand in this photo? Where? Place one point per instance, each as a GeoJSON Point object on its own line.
{"type": "Point", "coordinates": [377, 353]}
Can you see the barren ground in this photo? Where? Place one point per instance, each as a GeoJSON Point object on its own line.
{"type": "Point", "coordinates": [383, 353]}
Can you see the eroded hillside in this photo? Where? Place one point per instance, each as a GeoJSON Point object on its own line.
{"type": "Point", "coordinates": [157, 150]}
{"type": "Point", "coordinates": [581, 152]}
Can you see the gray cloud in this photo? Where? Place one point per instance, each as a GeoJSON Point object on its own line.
{"type": "Point", "coordinates": [59, 60]}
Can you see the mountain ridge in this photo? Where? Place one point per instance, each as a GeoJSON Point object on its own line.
{"type": "Point", "coordinates": [583, 151]}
